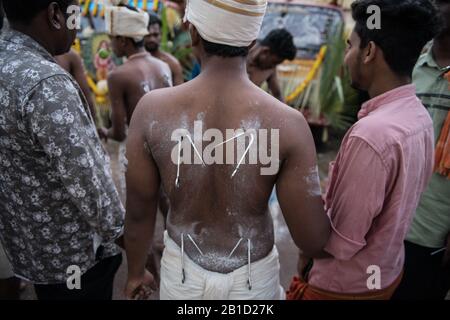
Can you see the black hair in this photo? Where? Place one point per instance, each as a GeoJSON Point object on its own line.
{"type": "Point", "coordinates": [137, 44]}
{"type": "Point", "coordinates": [281, 43]}
{"type": "Point", "coordinates": [25, 10]}
{"type": "Point", "coordinates": [406, 27]}
{"type": "Point", "coordinates": [2, 15]}
{"type": "Point", "coordinates": [154, 19]}
{"type": "Point", "coordinates": [224, 51]}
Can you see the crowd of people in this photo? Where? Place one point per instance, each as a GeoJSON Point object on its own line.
{"type": "Point", "coordinates": [380, 230]}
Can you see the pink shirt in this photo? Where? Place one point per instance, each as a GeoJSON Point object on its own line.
{"type": "Point", "coordinates": [383, 166]}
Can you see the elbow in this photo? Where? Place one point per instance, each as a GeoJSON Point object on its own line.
{"type": "Point", "coordinates": [119, 136]}
{"type": "Point", "coordinates": [315, 247]}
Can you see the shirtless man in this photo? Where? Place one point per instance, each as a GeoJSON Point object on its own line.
{"type": "Point", "coordinates": [267, 55]}
{"type": "Point", "coordinates": [152, 42]}
{"type": "Point", "coordinates": [220, 237]}
{"type": "Point", "coordinates": [140, 74]}
{"type": "Point", "coordinates": [73, 64]}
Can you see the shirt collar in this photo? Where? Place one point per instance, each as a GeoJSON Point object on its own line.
{"type": "Point", "coordinates": [427, 59]}
{"type": "Point", "coordinates": [21, 39]}
{"type": "Point", "coordinates": [386, 98]}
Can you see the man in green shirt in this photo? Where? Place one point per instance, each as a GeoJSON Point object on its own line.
{"type": "Point", "coordinates": [427, 265]}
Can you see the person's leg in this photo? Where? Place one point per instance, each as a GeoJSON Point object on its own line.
{"type": "Point", "coordinates": [423, 277]}
{"type": "Point", "coordinates": [10, 289]}
{"type": "Point", "coordinates": [96, 284]}
{"type": "Point", "coordinates": [9, 285]}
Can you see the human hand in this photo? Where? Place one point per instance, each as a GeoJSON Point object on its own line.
{"type": "Point", "coordinates": [140, 288]}
{"type": "Point", "coordinates": [446, 260]}
{"type": "Point", "coordinates": [304, 266]}
{"type": "Point", "coordinates": [103, 134]}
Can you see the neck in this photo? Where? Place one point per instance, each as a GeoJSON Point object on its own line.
{"type": "Point", "coordinates": [387, 83]}
{"type": "Point", "coordinates": [155, 53]}
{"type": "Point", "coordinates": [132, 51]}
{"type": "Point", "coordinates": [36, 34]}
{"type": "Point", "coordinates": [224, 68]}
{"type": "Point", "coordinates": [441, 49]}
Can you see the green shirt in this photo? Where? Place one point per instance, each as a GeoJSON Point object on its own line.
{"type": "Point", "coordinates": [431, 224]}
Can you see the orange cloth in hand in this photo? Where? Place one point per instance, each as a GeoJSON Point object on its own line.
{"type": "Point", "coordinates": [442, 161]}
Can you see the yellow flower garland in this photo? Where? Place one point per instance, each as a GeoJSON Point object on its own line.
{"type": "Point", "coordinates": [312, 73]}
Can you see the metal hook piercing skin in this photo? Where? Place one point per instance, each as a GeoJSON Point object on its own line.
{"type": "Point", "coordinates": [183, 274]}
{"type": "Point", "coordinates": [195, 244]}
{"type": "Point", "coordinates": [252, 139]}
{"type": "Point", "coordinates": [249, 245]}
{"type": "Point", "coordinates": [177, 180]}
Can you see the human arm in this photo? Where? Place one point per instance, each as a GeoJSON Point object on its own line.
{"type": "Point", "coordinates": [298, 188]}
{"type": "Point", "coordinates": [57, 121]}
{"type": "Point", "coordinates": [143, 183]}
{"type": "Point", "coordinates": [118, 110]}
{"type": "Point", "coordinates": [274, 86]}
{"type": "Point", "coordinates": [355, 197]}
{"type": "Point", "coordinates": [177, 72]}
{"type": "Point", "coordinates": [79, 73]}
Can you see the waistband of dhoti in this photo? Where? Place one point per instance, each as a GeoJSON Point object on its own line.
{"type": "Point", "coordinates": [173, 246]}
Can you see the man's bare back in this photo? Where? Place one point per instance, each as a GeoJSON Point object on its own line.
{"type": "Point", "coordinates": [139, 75]}
{"type": "Point", "coordinates": [174, 65]}
{"type": "Point", "coordinates": [214, 208]}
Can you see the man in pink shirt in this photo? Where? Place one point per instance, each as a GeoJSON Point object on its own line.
{"type": "Point", "coordinates": [385, 161]}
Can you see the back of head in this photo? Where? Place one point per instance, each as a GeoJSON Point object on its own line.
{"type": "Point", "coordinates": [23, 11]}
{"type": "Point", "coordinates": [154, 19]}
{"type": "Point", "coordinates": [406, 27]}
{"type": "Point", "coordinates": [128, 22]}
{"type": "Point", "coordinates": [281, 43]}
{"type": "Point", "coordinates": [226, 29]}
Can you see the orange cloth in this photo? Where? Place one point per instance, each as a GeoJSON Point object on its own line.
{"type": "Point", "coordinates": [442, 162]}
{"type": "Point", "coordinates": [300, 290]}
{"type": "Point", "coordinates": [447, 76]}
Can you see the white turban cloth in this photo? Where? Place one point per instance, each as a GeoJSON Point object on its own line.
{"type": "Point", "coordinates": [121, 21]}
{"type": "Point", "coordinates": [235, 23]}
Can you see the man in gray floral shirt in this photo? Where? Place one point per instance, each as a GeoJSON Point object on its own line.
{"type": "Point", "coordinates": [58, 204]}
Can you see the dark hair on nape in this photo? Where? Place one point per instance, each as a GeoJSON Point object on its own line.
{"type": "Point", "coordinates": [154, 19]}
{"type": "Point", "coordinates": [223, 50]}
{"type": "Point", "coordinates": [406, 27]}
{"type": "Point", "coordinates": [25, 10]}
{"type": "Point", "coordinates": [137, 44]}
{"type": "Point", "coordinates": [281, 43]}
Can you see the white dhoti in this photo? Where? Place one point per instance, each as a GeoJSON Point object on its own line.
{"type": "Point", "coordinates": [201, 284]}
{"type": "Point", "coordinates": [123, 164]}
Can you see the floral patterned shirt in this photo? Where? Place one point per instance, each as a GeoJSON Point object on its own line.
{"type": "Point", "coordinates": [58, 202]}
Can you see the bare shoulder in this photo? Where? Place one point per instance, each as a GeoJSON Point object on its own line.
{"type": "Point", "coordinates": [171, 60]}
{"type": "Point", "coordinates": [294, 130]}
{"type": "Point", "coordinates": [118, 74]}
{"type": "Point", "coordinates": [73, 56]}
{"type": "Point", "coordinates": [159, 102]}
{"type": "Point", "coordinates": [289, 117]}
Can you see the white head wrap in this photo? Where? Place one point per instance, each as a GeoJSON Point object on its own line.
{"type": "Point", "coordinates": [121, 21]}
{"type": "Point", "coordinates": [231, 22]}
